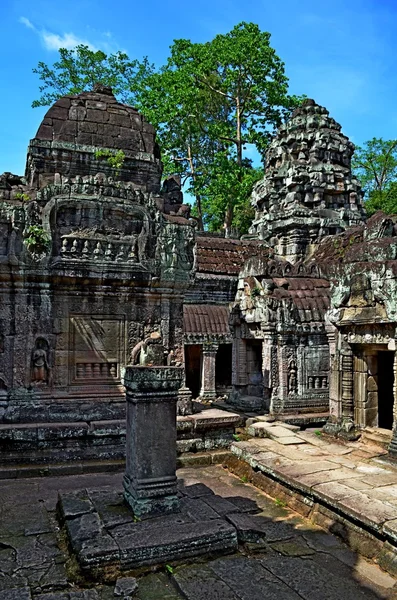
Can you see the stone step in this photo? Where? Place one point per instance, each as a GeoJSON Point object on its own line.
{"type": "Point", "coordinates": [377, 435]}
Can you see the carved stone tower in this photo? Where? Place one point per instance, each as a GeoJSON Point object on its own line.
{"type": "Point", "coordinates": [95, 259]}
{"type": "Point", "coordinates": [308, 190]}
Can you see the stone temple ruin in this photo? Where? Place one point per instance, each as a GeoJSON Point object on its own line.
{"type": "Point", "coordinates": [102, 268]}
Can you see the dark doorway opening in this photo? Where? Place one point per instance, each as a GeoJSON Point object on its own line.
{"type": "Point", "coordinates": [193, 369]}
{"type": "Point", "coordinates": [385, 389]}
{"type": "Point", "coordinates": [223, 368]}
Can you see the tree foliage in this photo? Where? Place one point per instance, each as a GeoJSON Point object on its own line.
{"type": "Point", "coordinates": [207, 102]}
{"type": "Point", "coordinates": [375, 165]}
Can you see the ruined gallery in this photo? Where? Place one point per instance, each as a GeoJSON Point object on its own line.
{"type": "Point", "coordinates": [102, 267]}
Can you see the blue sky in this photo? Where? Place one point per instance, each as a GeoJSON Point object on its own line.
{"type": "Point", "coordinates": [342, 54]}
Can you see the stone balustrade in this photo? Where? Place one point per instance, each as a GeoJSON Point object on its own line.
{"type": "Point", "coordinates": [317, 383]}
{"type": "Point", "coordinates": [90, 248]}
{"type": "Point", "coordinates": [96, 370]}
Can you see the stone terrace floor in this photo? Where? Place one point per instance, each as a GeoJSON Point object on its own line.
{"type": "Point", "coordinates": [284, 556]}
{"type": "Point", "coordinates": [355, 477]}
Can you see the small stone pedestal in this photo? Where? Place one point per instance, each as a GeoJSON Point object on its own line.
{"type": "Point", "coordinates": [150, 483]}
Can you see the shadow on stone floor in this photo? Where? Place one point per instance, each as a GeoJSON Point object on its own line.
{"type": "Point", "coordinates": [279, 555]}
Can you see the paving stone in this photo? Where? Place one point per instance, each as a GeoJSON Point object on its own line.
{"type": "Point", "coordinates": [197, 490]}
{"type": "Point", "coordinates": [356, 484]}
{"type": "Point", "coordinates": [313, 479]}
{"type": "Point", "coordinates": [125, 587]}
{"type": "Point", "coordinates": [288, 426]}
{"type": "Point", "coordinates": [156, 586]}
{"type": "Point", "coordinates": [201, 583]}
{"type": "Point", "coordinates": [293, 548]}
{"type": "Point", "coordinates": [278, 431]}
{"type": "Point", "coordinates": [312, 581]}
{"type": "Point", "coordinates": [288, 441]}
{"type": "Point", "coordinates": [198, 510]}
{"type": "Point", "coordinates": [111, 507]}
{"type": "Point", "coordinates": [243, 504]}
{"type": "Point", "coordinates": [84, 527]}
{"type": "Point", "coordinates": [336, 491]}
{"type": "Point", "coordinates": [250, 581]}
{"type": "Point", "coordinates": [387, 478]}
{"type": "Point", "coordinates": [299, 469]}
{"type": "Point", "coordinates": [249, 528]}
{"type": "Point", "coordinates": [373, 573]}
{"type": "Point", "coordinates": [371, 470]}
{"type": "Point", "coordinates": [368, 510]}
{"type": "Point", "coordinates": [220, 505]}
{"type": "Point", "coordinates": [75, 504]}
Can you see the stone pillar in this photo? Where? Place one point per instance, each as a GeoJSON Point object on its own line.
{"type": "Point", "coordinates": [150, 483]}
{"type": "Point", "coordinates": [208, 390]}
{"type": "Point", "coordinates": [347, 390]}
{"type": "Point", "coordinates": [393, 443]}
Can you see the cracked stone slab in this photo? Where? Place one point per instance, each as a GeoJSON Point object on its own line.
{"type": "Point", "coordinates": [75, 504]}
{"type": "Point", "coordinates": [250, 580]}
{"type": "Point", "coordinates": [313, 479]}
{"type": "Point", "coordinates": [201, 583]}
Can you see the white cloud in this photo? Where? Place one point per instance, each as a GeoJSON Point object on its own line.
{"type": "Point", "coordinates": [27, 23]}
{"type": "Point", "coordinates": [54, 41]}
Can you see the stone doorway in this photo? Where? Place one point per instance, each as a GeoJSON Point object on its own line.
{"type": "Point", "coordinates": [193, 368]}
{"type": "Point", "coordinates": [373, 384]}
{"type": "Point", "coordinates": [385, 389]}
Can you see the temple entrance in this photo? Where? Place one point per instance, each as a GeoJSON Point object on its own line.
{"type": "Point", "coordinates": [193, 368]}
{"type": "Point", "coordinates": [385, 389]}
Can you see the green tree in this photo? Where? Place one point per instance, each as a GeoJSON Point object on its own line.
{"type": "Point", "coordinates": [208, 102]}
{"type": "Point", "coordinates": [79, 69]}
{"type": "Point", "coordinates": [375, 165]}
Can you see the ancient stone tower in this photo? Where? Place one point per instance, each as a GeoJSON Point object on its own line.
{"type": "Point", "coordinates": [308, 190]}
{"type": "Point", "coordinates": [94, 262]}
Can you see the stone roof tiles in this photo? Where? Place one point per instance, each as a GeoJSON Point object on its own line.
{"type": "Point", "coordinates": [225, 256]}
{"type": "Point", "coordinates": [206, 319]}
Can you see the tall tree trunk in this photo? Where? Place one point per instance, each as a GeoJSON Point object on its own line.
{"type": "Point", "coordinates": [238, 133]}
{"type": "Point", "coordinates": [228, 220]}
{"type": "Point", "coordinates": [196, 195]}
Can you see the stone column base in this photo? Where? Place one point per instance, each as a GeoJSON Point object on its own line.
{"type": "Point", "coordinates": [151, 498]}
{"type": "Point", "coordinates": [344, 429]}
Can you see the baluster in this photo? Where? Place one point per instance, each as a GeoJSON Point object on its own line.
{"type": "Point", "coordinates": [120, 255]}
{"type": "Point", "coordinates": [108, 253]}
{"type": "Point", "coordinates": [98, 251]}
{"type": "Point", "coordinates": [86, 249]}
{"type": "Point", "coordinates": [65, 249]}
{"type": "Point", "coordinates": [75, 248]}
